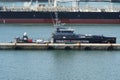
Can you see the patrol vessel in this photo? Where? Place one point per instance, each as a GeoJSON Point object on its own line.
{"type": "Point", "coordinates": [67, 35]}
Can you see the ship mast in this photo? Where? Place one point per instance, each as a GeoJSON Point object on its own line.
{"type": "Point", "coordinates": [57, 22]}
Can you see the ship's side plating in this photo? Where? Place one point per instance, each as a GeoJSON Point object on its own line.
{"type": "Point", "coordinates": [83, 39]}
{"type": "Point", "coordinates": [65, 17]}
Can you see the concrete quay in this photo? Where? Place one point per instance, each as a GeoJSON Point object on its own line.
{"type": "Point", "coordinates": [56, 46]}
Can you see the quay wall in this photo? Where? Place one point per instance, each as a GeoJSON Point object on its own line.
{"type": "Point", "coordinates": [56, 46]}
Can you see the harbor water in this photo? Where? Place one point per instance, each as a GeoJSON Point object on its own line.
{"type": "Point", "coordinates": [58, 64]}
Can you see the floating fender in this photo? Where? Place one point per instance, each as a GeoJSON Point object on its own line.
{"type": "Point", "coordinates": [110, 48]}
{"type": "Point", "coordinates": [18, 48]}
{"type": "Point", "coordinates": [87, 48]}
{"type": "Point", "coordinates": [50, 48]}
{"type": "Point", "coordinates": [67, 48]}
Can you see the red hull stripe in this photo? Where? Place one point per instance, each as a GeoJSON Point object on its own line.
{"type": "Point", "coordinates": [81, 21]}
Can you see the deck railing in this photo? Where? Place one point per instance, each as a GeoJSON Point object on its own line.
{"type": "Point", "coordinates": [61, 9]}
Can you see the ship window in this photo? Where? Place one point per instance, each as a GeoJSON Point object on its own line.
{"type": "Point", "coordinates": [67, 31]}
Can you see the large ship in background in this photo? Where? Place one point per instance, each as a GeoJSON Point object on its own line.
{"type": "Point", "coordinates": [44, 13]}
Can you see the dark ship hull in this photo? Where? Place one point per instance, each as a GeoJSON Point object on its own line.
{"type": "Point", "coordinates": [115, 1]}
{"type": "Point", "coordinates": [86, 40]}
{"type": "Point", "coordinates": [64, 17]}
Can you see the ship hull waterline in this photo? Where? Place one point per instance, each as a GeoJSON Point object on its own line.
{"type": "Point", "coordinates": [74, 21]}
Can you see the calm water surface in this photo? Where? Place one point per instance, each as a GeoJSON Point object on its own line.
{"type": "Point", "coordinates": [58, 64]}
